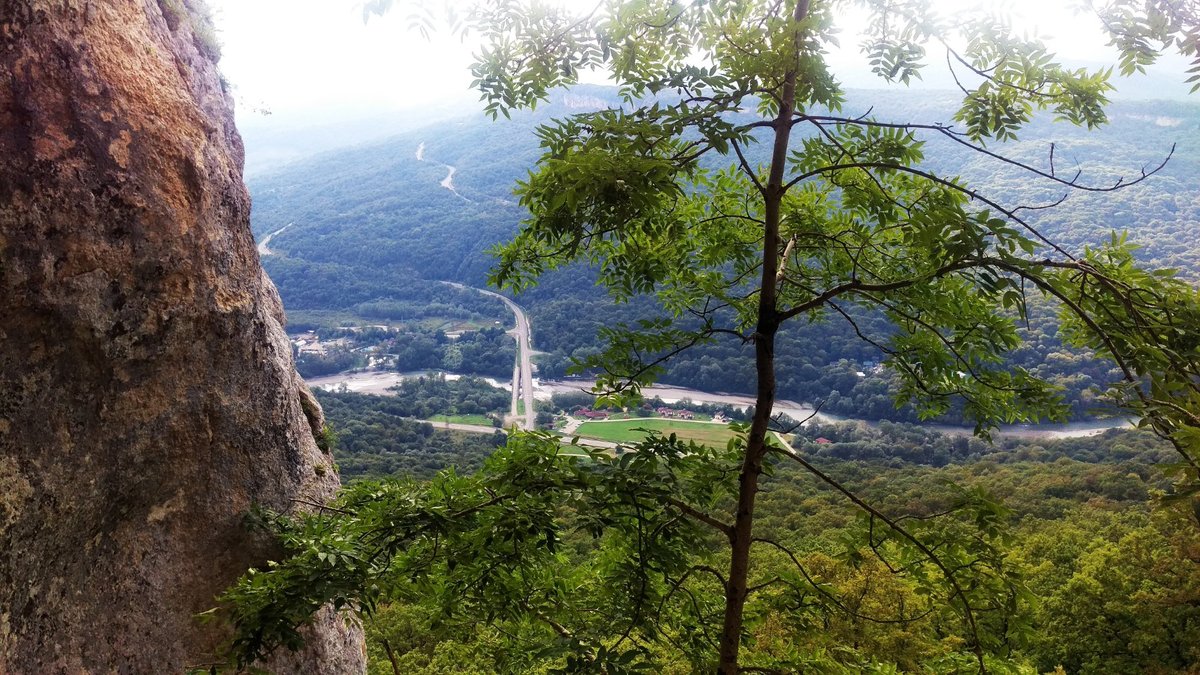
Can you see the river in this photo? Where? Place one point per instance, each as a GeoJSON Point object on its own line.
{"type": "Point", "coordinates": [378, 382]}
{"type": "Point", "coordinates": [799, 411]}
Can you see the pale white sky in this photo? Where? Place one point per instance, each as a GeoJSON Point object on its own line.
{"type": "Point", "coordinates": [318, 55]}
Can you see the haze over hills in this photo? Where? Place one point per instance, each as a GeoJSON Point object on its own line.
{"type": "Point", "coordinates": [368, 229]}
{"type": "Point", "coordinates": [275, 139]}
{"type": "Point", "coordinates": [355, 194]}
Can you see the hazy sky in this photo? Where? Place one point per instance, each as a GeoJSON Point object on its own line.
{"type": "Point", "coordinates": [318, 55]}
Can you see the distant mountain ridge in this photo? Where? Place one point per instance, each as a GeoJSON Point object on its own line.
{"type": "Point", "coordinates": [377, 204]}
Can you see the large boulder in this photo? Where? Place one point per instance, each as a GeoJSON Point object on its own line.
{"type": "Point", "coordinates": [148, 396]}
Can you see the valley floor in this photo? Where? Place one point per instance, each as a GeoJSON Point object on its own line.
{"type": "Point", "coordinates": [379, 382]}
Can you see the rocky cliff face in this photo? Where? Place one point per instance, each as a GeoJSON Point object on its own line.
{"type": "Point", "coordinates": [147, 392]}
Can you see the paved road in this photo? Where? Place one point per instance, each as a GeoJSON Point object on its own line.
{"type": "Point", "coordinates": [523, 369]}
{"type": "Point", "coordinates": [480, 429]}
{"type": "Point", "coordinates": [264, 245]}
{"type": "Point", "coordinates": [448, 181]}
{"type": "Point", "coordinates": [455, 426]}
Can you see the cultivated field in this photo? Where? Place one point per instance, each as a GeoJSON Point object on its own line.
{"type": "Point", "coordinates": [632, 430]}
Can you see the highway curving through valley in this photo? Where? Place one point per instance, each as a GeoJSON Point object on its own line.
{"type": "Point", "coordinates": [522, 389]}
{"type": "Point", "coordinates": [264, 246]}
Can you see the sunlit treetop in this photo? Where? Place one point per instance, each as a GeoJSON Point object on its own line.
{"type": "Point", "coordinates": [530, 48]}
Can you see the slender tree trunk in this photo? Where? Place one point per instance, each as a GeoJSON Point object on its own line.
{"type": "Point", "coordinates": [387, 647]}
{"type": "Point", "coordinates": [764, 355]}
{"type": "Point", "coordinates": [740, 539]}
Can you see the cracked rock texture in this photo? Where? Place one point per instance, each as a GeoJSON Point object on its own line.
{"type": "Point", "coordinates": [147, 391]}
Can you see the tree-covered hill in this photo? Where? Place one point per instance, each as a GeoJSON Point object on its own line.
{"type": "Point", "coordinates": [379, 205]}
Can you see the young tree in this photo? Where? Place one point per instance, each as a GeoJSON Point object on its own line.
{"type": "Point", "coordinates": [842, 218]}
{"type": "Point", "coordinates": [733, 186]}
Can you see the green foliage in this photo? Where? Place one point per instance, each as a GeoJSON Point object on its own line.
{"type": "Point", "coordinates": [567, 308]}
{"type": "Point", "coordinates": [198, 17]}
{"type": "Point", "coordinates": [1142, 31]}
{"type": "Point", "coordinates": [379, 437]}
{"type": "Point", "coordinates": [392, 537]}
{"type": "Point", "coordinates": [588, 562]}
{"type": "Point", "coordinates": [624, 191]}
{"type": "Point", "coordinates": [336, 361]}
{"type": "Point", "coordinates": [411, 639]}
{"type": "Point", "coordinates": [327, 440]}
{"type": "Point", "coordinates": [659, 197]}
{"type": "Point", "coordinates": [373, 288]}
{"type": "Point", "coordinates": [1062, 509]}
{"type": "Point", "coordinates": [430, 395]}
{"type": "Point", "coordinates": [827, 600]}
{"type": "Point", "coordinates": [1120, 592]}
{"type": "Point", "coordinates": [846, 220]}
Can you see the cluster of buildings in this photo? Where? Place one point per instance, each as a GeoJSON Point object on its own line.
{"type": "Point", "coordinates": [674, 414]}
{"type": "Point", "coordinates": [310, 343]}
{"type": "Point", "coordinates": [663, 411]}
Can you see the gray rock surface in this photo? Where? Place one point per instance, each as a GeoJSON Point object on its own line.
{"type": "Point", "coordinates": [147, 391]}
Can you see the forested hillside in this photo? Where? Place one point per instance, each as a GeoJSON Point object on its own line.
{"type": "Point", "coordinates": [370, 227]}
{"type": "Point", "coordinates": [378, 206]}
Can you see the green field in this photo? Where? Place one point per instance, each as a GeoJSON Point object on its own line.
{"type": "Point", "coordinates": [626, 431]}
